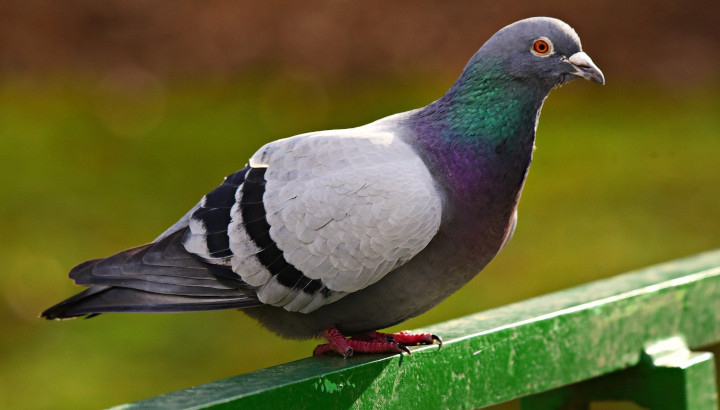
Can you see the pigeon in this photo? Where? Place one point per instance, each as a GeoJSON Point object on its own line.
{"type": "Point", "coordinates": [337, 234]}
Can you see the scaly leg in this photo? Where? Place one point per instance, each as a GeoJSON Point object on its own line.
{"type": "Point", "coordinates": [372, 342]}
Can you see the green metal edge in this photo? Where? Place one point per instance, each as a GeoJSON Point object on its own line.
{"type": "Point", "coordinates": [496, 355]}
{"type": "Point", "coordinates": [668, 377]}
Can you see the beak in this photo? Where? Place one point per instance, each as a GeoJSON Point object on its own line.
{"type": "Point", "coordinates": [585, 68]}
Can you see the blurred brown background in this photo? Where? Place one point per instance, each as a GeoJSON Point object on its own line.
{"type": "Point", "coordinates": [117, 116]}
{"type": "Point", "coordinates": [667, 40]}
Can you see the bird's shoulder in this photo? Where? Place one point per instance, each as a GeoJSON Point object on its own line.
{"type": "Point", "coordinates": [387, 137]}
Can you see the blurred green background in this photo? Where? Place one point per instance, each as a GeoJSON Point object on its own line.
{"type": "Point", "coordinates": [117, 116]}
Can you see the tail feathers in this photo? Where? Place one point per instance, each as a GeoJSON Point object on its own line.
{"type": "Point", "coordinates": [157, 277]}
{"type": "Point", "coordinates": [106, 299]}
{"type": "Point", "coordinates": [59, 311]}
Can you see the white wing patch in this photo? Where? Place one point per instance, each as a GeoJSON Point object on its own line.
{"type": "Point", "coordinates": [244, 260]}
{"type": "Point", "coordinates": [345, 207]}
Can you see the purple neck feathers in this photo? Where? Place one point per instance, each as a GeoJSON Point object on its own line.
{"type": "Point", "coordinates": [478, 140]}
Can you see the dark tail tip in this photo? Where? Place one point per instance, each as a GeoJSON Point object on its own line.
{"type": "Point", "coordinates": [56, 312]}
{"type": "Point", "coordinates": [64, 309]}
{"type": "Point", "coordinates": [53, 313]}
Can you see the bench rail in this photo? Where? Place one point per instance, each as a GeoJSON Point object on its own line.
{"type": "Point", "coordinates": [626, 337]}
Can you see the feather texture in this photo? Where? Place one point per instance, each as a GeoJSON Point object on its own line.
{"type": "Point", "coordinates": [161, 276]}
{"type": "Point", "coordinates": [345, 207]}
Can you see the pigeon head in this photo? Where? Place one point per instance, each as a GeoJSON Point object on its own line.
{"type": "Point", "coordinates": [487, 120]}
{"type": "Point", "coordinates": [511, 74]}
{"type": "Point", "coordinates": [538, 49]}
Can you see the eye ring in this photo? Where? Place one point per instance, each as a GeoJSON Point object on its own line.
{"type": "Point", "coordinates": [542, 47]}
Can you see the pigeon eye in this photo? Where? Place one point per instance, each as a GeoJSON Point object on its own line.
{"type": "Point", "coordinates": [542, 47]}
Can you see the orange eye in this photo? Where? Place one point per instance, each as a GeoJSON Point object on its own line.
{"type": "Point", "coordinates": [541, 46]}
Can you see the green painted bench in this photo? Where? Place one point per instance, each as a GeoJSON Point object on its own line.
{"type": "Point", "coordinates": [624, 338]}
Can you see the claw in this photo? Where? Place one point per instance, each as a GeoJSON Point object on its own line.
{"type": "Point", "coordinates": [348, 353]}
{"type": "Point", "coordinates": [404, 349]}
{"type": "Point", "coordinates": [437, 338]}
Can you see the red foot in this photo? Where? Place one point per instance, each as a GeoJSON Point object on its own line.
{"type": "Point", "coordinates": [372, 342]}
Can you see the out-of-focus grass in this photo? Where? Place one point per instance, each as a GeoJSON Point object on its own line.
{"type": "Point", "coordinates": [624, 176]}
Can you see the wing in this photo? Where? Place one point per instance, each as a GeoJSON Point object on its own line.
{"type": "Point", "coordinates": [317, 216]}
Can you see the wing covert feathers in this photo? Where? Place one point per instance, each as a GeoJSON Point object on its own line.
{"type": "Point", "coordinates": [344, 207]}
